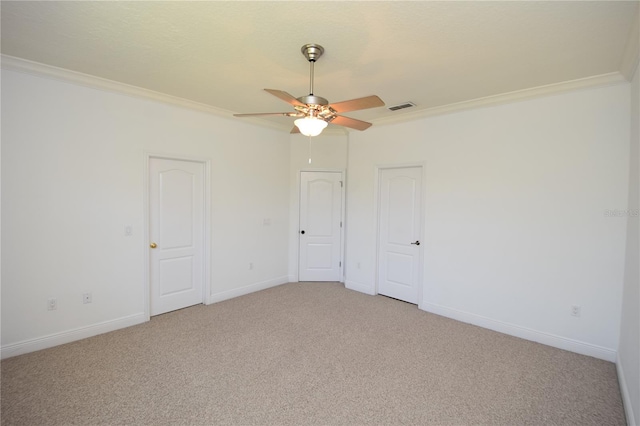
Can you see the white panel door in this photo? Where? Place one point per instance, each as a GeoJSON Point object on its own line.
{"type": "Point", "coordinates": [320, 226]}
{"type": "Point", "coordinates": [176, 217]}
{"type": "Point", "coordinates": [399, 233]}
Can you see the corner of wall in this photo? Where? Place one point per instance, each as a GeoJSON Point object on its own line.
{"type": "Point", "coordinates": [624, 390]}
{"type": "Point", "coordinates": [628, 360]}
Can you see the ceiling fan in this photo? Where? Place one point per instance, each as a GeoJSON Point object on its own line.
{"type": "Point", "coordinates": [313, 112]}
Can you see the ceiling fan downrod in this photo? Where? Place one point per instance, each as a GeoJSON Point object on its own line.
{"type": "Point", "coordinates": [312, 52]}
{"type": "Point", "coordinates": [311, 63]}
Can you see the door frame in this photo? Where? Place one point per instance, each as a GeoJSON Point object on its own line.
{"type": "Point", "coordinates": [376, 203]}
{"type": "Point", "coordinates": [296, 225]}
{"type": "Point", "coordinates": [206, 249]}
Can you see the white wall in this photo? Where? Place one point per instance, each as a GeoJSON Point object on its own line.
{"type": "Point", "coordinates": [328, 152]}
{"type": "Point", "coordinates": [629, 349]}
{"type": "Point", "coordinates": [516, 231]}
{"type": "Point", "coordinates": [72, 178]}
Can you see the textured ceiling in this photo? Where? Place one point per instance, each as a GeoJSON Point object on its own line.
{"type": "Point", "coordinates": [224, 53]}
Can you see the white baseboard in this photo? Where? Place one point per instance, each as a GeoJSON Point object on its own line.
{"type": "Point", "coordinates": [626, 398]}
{"type": "Point", "coordinates": [523, 332]}
{"type": "Point", "coordinates": [56, 339]}
{"type": "Point", "coordinates": [294, 279]}
{"type": "Point", "coordinates": [251, 288]}
{"type": "Point", "coordinates": [362, 288]}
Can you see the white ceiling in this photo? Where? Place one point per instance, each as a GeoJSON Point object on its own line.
{"type": "Point", "coordinates": [223, 53]}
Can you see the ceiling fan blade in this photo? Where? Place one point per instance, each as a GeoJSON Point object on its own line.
{"type": "Point", "coordinates": [286, 114]}
{"type": "Point", "coordinates": [351, 123]}
{"type": "Point", "coordinates": [285, 97]}
{"type": "Point", "coordinates": [295, 130]}
{"type": "Point", "coordinates": [356, 104]}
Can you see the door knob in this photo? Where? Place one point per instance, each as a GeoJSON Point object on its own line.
{"type": "Point", "coordinates": [153, 245]}
{"type": "Point", "coordinates": [416, 243]}
{"type": "Point", "coordinates": [302, 232]}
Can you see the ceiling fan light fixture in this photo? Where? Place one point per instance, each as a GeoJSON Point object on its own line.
{"type": "Point", "coordinates": [310, 126]}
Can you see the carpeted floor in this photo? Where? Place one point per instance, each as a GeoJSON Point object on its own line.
{"type": "Point", "coordinates": [308, 353]}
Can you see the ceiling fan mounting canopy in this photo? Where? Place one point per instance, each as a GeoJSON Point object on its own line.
{"type": "Point", "coordinates": [312, 51]}
{"type": "Point", "coordinates": [311, 108]}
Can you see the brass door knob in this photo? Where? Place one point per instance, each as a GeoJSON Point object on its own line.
{"type": "Point", "coordinates": [153, 245]}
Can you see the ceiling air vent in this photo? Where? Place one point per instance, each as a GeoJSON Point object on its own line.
{"type": "Point", "coordinates": [402, 106]}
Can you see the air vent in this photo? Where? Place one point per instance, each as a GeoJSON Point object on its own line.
{"type": "Point", "coordinates": [402, 106]}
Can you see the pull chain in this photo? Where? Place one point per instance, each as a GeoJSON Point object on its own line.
{"type": "Point", "coordinates": [309, 149]}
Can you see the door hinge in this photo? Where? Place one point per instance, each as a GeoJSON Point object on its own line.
{"type": "Point", "coordinates": [340, 264]}
{"type": "Point", "coordinates": [340, 224]}
{"type": "Point", "coordinates": [341, 184]}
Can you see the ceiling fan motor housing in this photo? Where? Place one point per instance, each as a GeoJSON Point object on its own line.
{"type": "Point", "coordinates": [314, 100]}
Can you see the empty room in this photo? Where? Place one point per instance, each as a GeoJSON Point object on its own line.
{"type": "Point", "coordinates": [320, 212]}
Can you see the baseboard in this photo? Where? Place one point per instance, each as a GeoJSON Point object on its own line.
{"type": "Point", "coordinates": [251, 288]}
{"type": "Point", "coordinates": [523, 332]}
{"type": "Point", "coordinates": [56, 339]}
{"type": "Point", "coordinates": [362, 288]}
{"type": "Point", "coordinates": [294, 279]}
{"type": "Point", "coordinates": [626, 398]}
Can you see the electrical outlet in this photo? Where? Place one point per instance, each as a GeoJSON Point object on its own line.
{"type": "Point", "coordinates": [86, 298]}
{"type": "Point", "coordinates": [576, 310]}
{"type": "Point", "coordinates": [52, 304]}
{"type": "Point", "coordinates": [250, 265]}
{"type": "Point", "coordinates": [128, 231]}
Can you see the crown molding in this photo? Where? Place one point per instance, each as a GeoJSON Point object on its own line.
{"type": "Point", "coordinates": [12, 63]}
{"type": "Point", "coordinates": [504, 98]}
{"type": "Point", "coordinates": [631, 55]}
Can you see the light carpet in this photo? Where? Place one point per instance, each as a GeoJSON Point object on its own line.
{"type": "Point", "coordinates": [308, 353]}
